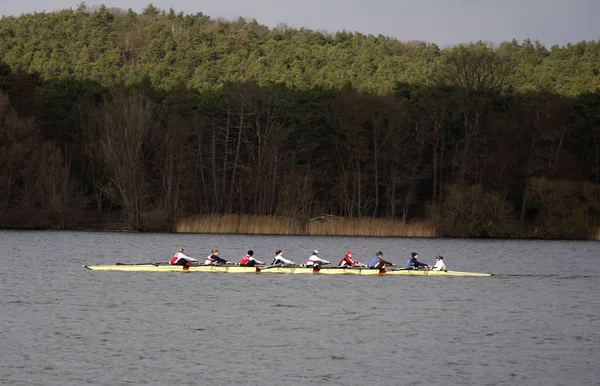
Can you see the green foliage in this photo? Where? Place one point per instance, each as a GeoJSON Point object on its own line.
{"type": "Point", "coordinates": [591, 195]}
{"type": "Point", "coordinates": [114, 46]}
{"type": "Point", "coordinates": [474, 212]}
{"type": "Point", "coordinates": [561, 211]}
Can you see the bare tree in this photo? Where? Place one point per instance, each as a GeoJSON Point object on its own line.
{"type": "Point", "coordinates": [226, 141]}
{"type": "Point", "coordinates": [269, 158]}
{"type": "Point", "coordinates": [56, 189]}
{"type": "Point", "coordinates": [554, 118]}
{"type": "Point", "coordinates": [477, 72]}
{"type": "Point", "coordinates": [125, 120]}
{"type": "Point", "coordinates": [348, 116]}
{"type": "Point", "coordinates": [85, 119]}
{"type": "Point", "coordinates": [249, 154]}
{"type": "Point", "coordinates": [18, 138]}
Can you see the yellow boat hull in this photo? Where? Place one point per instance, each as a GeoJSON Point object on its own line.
{"type": "Point", "coordinates": [172, 268]}
{"type": "Point", "coordinates": [280, 270]}
{"type": "Point", "coordinates": [368, 271]}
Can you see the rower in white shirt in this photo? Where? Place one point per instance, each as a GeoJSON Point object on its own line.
{"type": "Point", "coordinates": [181, 259]}
{"type": "Point", "coordinates": [439, 264]}
{"type": "Point", "coordinates": [279, 259]}
{"type": "Point", "coordinates": [214, 258]}
{"type": "Point", "coordinates": [315, 260]}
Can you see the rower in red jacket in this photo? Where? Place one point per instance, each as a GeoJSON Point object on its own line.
{"type": "Point", "coordinates": [347, 261]}
{"type": "Point", "coordinates": [249, 261]}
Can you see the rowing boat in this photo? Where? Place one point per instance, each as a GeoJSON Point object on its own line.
{"type": "Point", "coordinates": [280, 270]}
{"type": "Point", "coordinates": [172, 268]}
{"type": "Point", "coordinates": [370, 271]}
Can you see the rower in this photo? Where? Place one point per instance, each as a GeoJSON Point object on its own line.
{"type": "Point", "coordinates": [249, 261]}
{"type": "Point", "coordinates": [347, 261]}
{"type": "Point", "coordinates": [414, 263]}
{"type": "Point", "coordinates": [378, 263]}
{"type": "Point", "coordinates": [439, 264]}
{"type": "Point", "coordinates": [214, 258]}
{"type": "Point", "coordinates": [315, 261]}
{"type": "Point", "coordinates": [180, 259]}
{"type": "Point", "coordinates": [279, 259]}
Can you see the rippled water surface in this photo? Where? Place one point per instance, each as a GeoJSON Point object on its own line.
{"type": "Point", "coordinates": [537, 322]}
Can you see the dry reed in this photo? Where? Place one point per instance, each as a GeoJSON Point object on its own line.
{"type": "Point", "coordinates": [322, 226]}
{"type": "Point", "coordinates": [371, 227]}
{"type": "Point", "coordinates": [239, 224]}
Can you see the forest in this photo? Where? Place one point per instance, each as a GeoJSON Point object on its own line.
{"type": "Point", "coordinates": [112, 118]}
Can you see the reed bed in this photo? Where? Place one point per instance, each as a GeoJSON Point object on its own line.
{"type": "Point", "coordinates": [375, 227]}
{"type": "Point", "coordinates": [595, 235]}
{"type": "Point", "coordinates": [321, 226]}
{"type": "Point", "coordinates": [239, 224]}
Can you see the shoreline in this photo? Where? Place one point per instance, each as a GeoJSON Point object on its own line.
{"type": "Point", "coordinates": [324, 225]}
{"type": "Point", "coordinates": [129, 230]}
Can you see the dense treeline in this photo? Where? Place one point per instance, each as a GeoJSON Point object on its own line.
{"type": "Point", "coordinates": [159, 115]}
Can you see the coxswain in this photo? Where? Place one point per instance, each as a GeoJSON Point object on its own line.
{"type": "Point", "coordinates": [180, 259]}
{"type": "Point", "coordinates": [249, 261]}
{"type": "Point", "coordinates": [315, 261]}
{"type": "Point", "coordinates": [279, 259]}
{"type": "Point", "coordinates": [214, 258]}
{"type": "Point", "coordinates": [414, 263]}
{"type": "Point", "coordinates": [378, 263]}
{"type": "Point", "coordinates": [439, 264]}
{"type": "Point", "coordinates": [347, 261]}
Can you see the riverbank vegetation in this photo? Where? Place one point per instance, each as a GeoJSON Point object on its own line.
{"type": "Point", "coordinates": [318, 226]}
{"type": "Point", "coordinates": [167, 121]}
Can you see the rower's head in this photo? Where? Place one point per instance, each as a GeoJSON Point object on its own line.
{"type": "Point", "coordinates": [315, 252]}
{"type": "Point", "coordinates": [250, 252]}
{"type": "Point", "coordinates": [349, 254]}
{"type": "Point", "coordinates": [414, 255]}
{"type": "Point", "coordinates": [278, 252]}
{"type": "Point", "coordinates": [181, 250]}
{"type": "Point", "coordinates": [438, 257]}
{"type": "Point", "coordinates": [380, 254]}
{"type": "Point", "coordinates": [214, 251]}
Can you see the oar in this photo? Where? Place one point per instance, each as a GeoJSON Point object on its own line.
{"type": "Point", "coordinates": [159, 263]}
{"type": "Point", "coordinates": [399, 269]}
{"type": "Point", "coordinates": [279, 266]}
{"type": "Point", "coordinates": [385, 266]}
{"type": "Point", "coordinates": [270, 266]}
{"type": "Point", "coordinates": [359, 265]}
{"type": "Point", "coordinates": [282, 266]}
{"type": "Point", "coordinates": [336, 267]}
{"type": "Point", "coordinates": [219, 264]}
{"type": "Point", "coordinates": [214, 264]}
{"type": "Point", "coordinates": [346, 267]}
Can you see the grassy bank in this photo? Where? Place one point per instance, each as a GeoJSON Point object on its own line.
{"type": "Point", "coordinates": [321, 226]}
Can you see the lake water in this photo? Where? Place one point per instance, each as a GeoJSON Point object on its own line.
{"type": "Point", "coordinates": [537, 322]}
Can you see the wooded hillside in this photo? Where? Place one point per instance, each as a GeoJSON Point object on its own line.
{"type": "Point", "coordinates": [158, 115]}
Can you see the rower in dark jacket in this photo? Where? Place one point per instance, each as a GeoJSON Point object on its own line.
{"type": "Point", "coordinates": [414, 263]}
